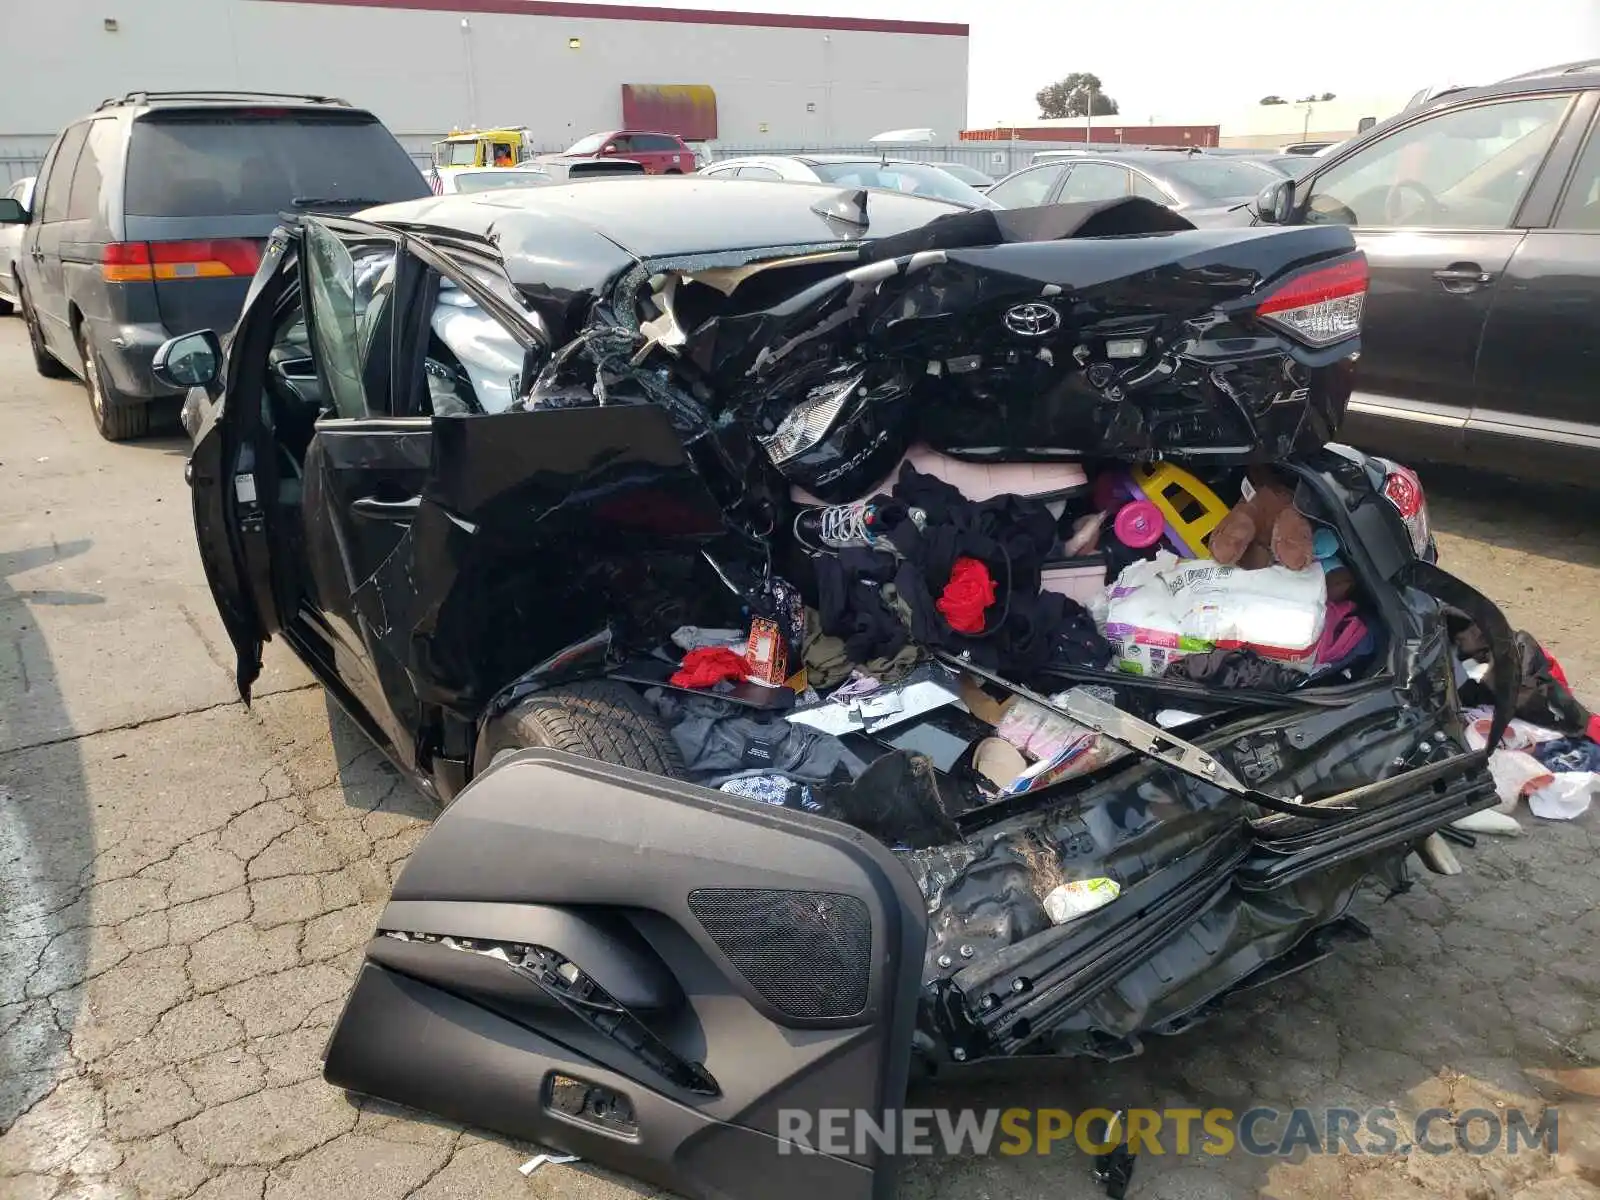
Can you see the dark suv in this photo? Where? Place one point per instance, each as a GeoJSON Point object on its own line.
{"type": "Point", "coordinates": [149, 216]}
{"type": "Point", "coordinates": [1479, 211]}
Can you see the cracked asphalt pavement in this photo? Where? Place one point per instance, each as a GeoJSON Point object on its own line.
{"type": "Point", "coordinates": [185, 886]}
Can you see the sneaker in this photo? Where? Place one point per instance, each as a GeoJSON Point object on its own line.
{"type": "Point", "coordinates": [861, 525]}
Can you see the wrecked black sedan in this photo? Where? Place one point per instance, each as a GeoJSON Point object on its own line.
{"type": "Point", "coordinates": [811, 606]}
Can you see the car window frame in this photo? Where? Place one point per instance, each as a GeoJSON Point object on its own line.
{"type": "Point", "coordinates": [45, 217]}
{"type": "Point", "coordinates": [1134, 174]}
{"type": "Point", "coordinates": [108, 126]}
{"type": "Point", "coordinates": [412, 298]}
{"type": "Point", "coordinates": [1524, 214]}
{"type": "Point", "coordinates": [1060, 168]}
{"type": "Point", "coordinates": [351, 368]}
{"type": "Point", "coordinates": [770, 175]}
{"type": "Point", "coordinates": [1582, 138]}
{"type": "Point", "coordinates": [1127, 181]}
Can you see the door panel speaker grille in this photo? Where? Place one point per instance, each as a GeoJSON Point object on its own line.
{"type": "Point", "coordinates": [808, 954]}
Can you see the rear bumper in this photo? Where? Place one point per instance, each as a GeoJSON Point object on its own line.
{"type": "Point", "coordinates": [126, 350]}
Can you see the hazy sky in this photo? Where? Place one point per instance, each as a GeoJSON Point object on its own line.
{"type": "Point", "coordinates": [1178, 59]}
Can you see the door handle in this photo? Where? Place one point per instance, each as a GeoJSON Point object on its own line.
{"type": "Point", "coordinates": [374, 509]}
{"type": "Point", "coordinates": [1463, 277]}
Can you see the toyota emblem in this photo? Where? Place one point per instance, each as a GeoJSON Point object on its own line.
{"type": "Point", "coordinates": [1035, 319]}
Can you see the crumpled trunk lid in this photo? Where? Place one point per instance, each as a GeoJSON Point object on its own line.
{"type": "Point", "coordinates": [1139, 347]}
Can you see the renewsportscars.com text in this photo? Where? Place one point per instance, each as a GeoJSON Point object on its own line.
{"type": "Point", "coordinates": [1263, 1132]}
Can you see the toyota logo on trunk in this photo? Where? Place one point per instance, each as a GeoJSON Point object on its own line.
{"type": "Point", "coordinates": [1032, 320]}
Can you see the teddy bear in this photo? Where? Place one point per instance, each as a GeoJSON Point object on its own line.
{"type": "Point", "coordinates": [1264, 528]}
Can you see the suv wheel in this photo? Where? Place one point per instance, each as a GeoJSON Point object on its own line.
{"type": "Point", "coordinates": [600, 719]}
{"type": "Point", "coordinates": [115, 418]}
{"type": "Point", "coordinates": [43, 361]}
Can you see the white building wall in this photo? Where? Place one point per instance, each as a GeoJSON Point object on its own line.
{"type": "Point", "coordinates": [422, 72]}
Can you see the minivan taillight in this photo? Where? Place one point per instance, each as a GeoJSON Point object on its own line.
{"type": "Point", "coordinates": [1320, 306]}
{"type": "Point", "coordinates": [217, 258]}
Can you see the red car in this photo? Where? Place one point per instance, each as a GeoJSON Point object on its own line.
{"type": "Point", "coordinates": [659, 153]}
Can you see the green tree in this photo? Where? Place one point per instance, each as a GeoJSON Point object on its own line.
{"type": "Point", "coordinates": [1273, 100]}
{"type": "Point", "coordinates": [1069, 97]}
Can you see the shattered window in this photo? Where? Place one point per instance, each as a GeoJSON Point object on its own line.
{"type": "Point", "coordinates": [1467, 168]}
{"type": "Point", "coordinates": [349, 293]}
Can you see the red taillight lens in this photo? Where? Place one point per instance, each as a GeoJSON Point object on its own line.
{"type": "Point", "coordinates": [217, 258]}
{"type": "Point", "coordinates": [125, 262]}
{"type": "Point", "coordinates": [1320, 306]}
{"type": "Point", "coordinates": [1403, 489]}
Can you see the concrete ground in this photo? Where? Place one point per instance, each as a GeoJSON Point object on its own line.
{"type": "Point", "coordinates": [185, 886]}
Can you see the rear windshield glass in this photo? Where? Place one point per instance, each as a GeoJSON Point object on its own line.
{"type": "Point", "coordinates": [917, 178]}
{"type": "Point", "coordinates": [967, 174]}
{"type": "Point", "coordinates": [484, 181]}
{"type": "Point", "coordinates": [240, 164]}
{"type": "Point", "coordinates": [1219, 178]}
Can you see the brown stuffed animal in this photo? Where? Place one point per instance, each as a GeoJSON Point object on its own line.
{"type": "Point", "coordinates": [1264, 528]}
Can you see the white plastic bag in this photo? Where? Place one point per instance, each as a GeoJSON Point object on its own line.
{"type": "Point", "coordinates": [1566, 797]}
{"type": "Point", "coordinates": [1164, 609]}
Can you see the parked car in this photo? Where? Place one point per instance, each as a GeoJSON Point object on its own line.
{"type": "Point", "coordinates": [978, 180]}
{"type": "Point", "coordinates": [901, 175]}
{"type": "Point", "coordinates": [491, 178]}
{"type": "Point", "coordinates": [587, 950]}
{"type": "Point", "coordinates": [21, 192]}
{"type": "Point", "coordinates": [1205, 188]}
{"type": "Point", "coordinates": [149, 217]}
{"type": "Point", "coordinates": [1292, 165]}
{"type": "Point", "coordinates": [659, 153]}
{"type": "Point", "coordinates": [1479, 211]}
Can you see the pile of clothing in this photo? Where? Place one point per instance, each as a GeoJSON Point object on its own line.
{"type": "Point", "coordinates": [1042, 575]}
{"type": "Point", "coordinates": [1550, 754]}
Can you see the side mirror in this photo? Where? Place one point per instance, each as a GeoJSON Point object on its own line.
{"type": "Point", "coordinates": [1274, 204]}
{"type": "Point", "coordinates": [12, 212]}
{"type": "Point", "coordinates": [193, 360]}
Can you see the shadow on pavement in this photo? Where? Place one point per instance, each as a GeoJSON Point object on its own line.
{"type": "Point", "coordinates": [46, 846]}
{"type": "Point", "coordinates": [1551, 520]}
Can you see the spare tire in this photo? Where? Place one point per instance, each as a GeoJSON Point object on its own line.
{"type": "Point", "coordinates": [600, 719]}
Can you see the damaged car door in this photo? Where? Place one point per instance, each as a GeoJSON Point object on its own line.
{"type": "Point", "coordinates": [675, 992]}
{"type": "Point", "coordinates": [362, 470]}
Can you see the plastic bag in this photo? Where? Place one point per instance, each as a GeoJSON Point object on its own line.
{"type": "Point", "coordinates": [1081, 896]}
{"type": "Point", "coordinates": [1164, 609]}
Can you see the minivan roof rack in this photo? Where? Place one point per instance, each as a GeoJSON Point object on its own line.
{"type": "Point", "coordinates": [213, 94]}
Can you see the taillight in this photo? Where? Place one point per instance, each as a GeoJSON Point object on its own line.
{"type": "Point", "coordinates": [1321, 306]}
{"type": "Point", "coordinates": [1403, 489]}
{"type": "Point", "coordinates": [217, 258]}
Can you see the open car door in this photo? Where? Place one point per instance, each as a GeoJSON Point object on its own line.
{"type": "Point", "coordinates": [230, 476]}
{"type": "Point", "coordinates": [660, 979]}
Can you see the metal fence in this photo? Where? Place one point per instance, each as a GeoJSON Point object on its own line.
{"type": "Point", "coordinates": [18, 166]}
{"type": "Point", "coordinates": [992, 158]}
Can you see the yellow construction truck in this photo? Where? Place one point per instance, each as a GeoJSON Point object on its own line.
{"type": "Point", "coordinates": [472, 150]}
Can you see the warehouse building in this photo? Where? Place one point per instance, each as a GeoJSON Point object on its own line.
{"type": "Point", "coordinates": [561, 69]}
